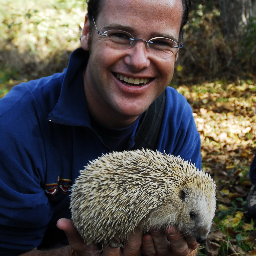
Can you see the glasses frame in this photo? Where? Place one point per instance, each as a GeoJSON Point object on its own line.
{"type": "Point", "coordinates": [133, 40]}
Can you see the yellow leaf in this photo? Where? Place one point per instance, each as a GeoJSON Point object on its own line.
{"type": "Point", "coordinates": [239, 215]}
{"type": "Point", "coordinates": [225, 191]}
{"type": "Point", "coordinates": [223, 207]}
{"type": "Point", "coordinates": [237, 219]}
{"type": "Point", "coordinates": [179, 68]}
{"type": "Point", "coordinates": [247, 226]}
{"type": "Point", "coordinates": [231, 222]}
{"type": "Point", "coordinates": [230, 167]}
{"type": "Point", "coordinates": [228, 221]}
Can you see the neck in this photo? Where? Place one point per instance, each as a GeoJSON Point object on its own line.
{"type": "Point", "coordinates": [111, 121]}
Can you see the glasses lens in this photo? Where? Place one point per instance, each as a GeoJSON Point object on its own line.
{"type": "Point", "coordinates": [119, 37]}
{"type": "Point", "coordinates": [163, 44]}
{"type": "Point", "coordinates": [160, 46]}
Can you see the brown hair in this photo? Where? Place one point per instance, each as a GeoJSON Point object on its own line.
{"type": "Point", "coordinates": [94, 7]}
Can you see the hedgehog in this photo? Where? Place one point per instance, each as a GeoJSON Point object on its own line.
{"type": "Point", "coordinates": [141, 189]}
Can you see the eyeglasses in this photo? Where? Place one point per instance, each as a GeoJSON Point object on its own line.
{"type": "Point", "coordinates": [162, 47]}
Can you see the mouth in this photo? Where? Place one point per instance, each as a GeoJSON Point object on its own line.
{"type": "Point", "coordinates": [130, 81]}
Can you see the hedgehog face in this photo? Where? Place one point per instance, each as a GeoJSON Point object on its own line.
{"type": "Point", "coordinates": [197, 214]}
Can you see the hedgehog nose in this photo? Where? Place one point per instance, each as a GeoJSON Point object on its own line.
{"type": "Point", "coordinates": [201, 240]}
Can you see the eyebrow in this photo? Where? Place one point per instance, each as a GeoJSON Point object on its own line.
{"type": "Point", "coordinates": [120, 27]}
{"type": "Point", "coordinates": [131, 31]}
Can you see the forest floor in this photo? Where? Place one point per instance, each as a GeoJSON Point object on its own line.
{"type": "Point", "coordinates": [225, 114]}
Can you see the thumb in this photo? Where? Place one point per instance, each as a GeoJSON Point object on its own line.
{"type": "Point", "coordinates": [75, 240]}
{"type": "Point", "coordinates": [67, 226]}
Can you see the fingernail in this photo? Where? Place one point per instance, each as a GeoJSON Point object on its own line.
{"type": "Point", "coordinates": [148, 241]}
{"type": "Point", "coordinates": [171, 231]}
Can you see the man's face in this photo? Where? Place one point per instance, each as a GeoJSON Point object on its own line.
{"type": "Point", "coordinates": [111, 100]}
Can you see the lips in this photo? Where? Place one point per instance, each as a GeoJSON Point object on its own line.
{"type": "Point", "coordinates": [132, 81]}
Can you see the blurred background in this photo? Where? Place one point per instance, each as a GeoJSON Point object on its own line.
{"type": "Point", "coordinates": [36, 38]}
{"type": "Point", "coordinates": [216, 72]}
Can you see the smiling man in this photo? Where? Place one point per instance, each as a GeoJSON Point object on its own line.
{"type": "Point", "coordinates": [115, 66]}
{"type": "Point", "coordinates": [52, 127]}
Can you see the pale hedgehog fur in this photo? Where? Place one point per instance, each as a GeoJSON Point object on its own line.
{"type": "Point", "coordinates": [121, 191]}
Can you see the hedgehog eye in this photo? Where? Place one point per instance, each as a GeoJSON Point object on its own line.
{"type": "Point", "coordinates": [192, 215]}
{"type": "Point", "coordinates": [182, 195]}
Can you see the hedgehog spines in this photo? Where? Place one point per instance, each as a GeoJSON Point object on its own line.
{"type": "Point", "coordinates": [119, 191]}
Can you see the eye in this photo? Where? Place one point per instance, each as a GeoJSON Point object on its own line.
{"type": "Point", "coordinates": [163, 44]}
{"type": "Point", "coordinates": [119, 36]}
{"type": "Point", "coordinates": [192, 215]}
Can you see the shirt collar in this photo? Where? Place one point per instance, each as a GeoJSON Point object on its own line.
{"type": "Point", "coordinates": [71, 108]}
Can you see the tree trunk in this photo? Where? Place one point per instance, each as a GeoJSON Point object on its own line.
{"type": "Point", "coordinates": [235, 15]}
{"type": "Point", "coordinates": [254, 8]}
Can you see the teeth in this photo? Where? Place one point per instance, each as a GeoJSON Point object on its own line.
{"type": "Point", "coordinates": [126, 79]}
{"type": "Point", "coordinates": [131, 80]}
{"type": "Point", "coordinates": [137, 81]}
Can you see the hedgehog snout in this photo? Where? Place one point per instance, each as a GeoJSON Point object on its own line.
{"type": "Point", "coordinates": [201, 239]}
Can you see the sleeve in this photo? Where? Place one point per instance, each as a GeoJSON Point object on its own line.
{"type": "Point", "coordinates": [179, 135]}
{"type": "Point", "coordinates": [253, 171]}
{"type": "Point", "coordinates": [24, 207]}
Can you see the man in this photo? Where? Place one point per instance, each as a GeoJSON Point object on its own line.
{"type": "Point", "coordinates": [52, 127]}
{"type": "Point", "coordinates": [250, 206]}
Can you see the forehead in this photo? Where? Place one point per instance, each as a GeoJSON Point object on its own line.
{"type": "Point", "coordinates": [158, 15]}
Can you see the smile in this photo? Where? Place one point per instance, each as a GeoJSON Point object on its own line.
{"type": "Point", "coordinates": [132, 81]}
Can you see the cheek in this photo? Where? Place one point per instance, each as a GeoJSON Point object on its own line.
{"type": "Point", "coordinates": [104, 57]}
{"type": "Point", "coordinates": [167, 70]}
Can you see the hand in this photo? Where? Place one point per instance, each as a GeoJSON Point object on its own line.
{"type": "Point", "coordinates": [172, 243]}
{"type": "Point", "coordinates": [132, 246]}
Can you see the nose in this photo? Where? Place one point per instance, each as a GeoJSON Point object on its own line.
{"type": "Point", "coordinates": [137, 57]}
{"type": "Point", "coordinates": [201, 240]}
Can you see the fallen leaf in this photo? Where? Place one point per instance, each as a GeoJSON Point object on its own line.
{"type": "Point", "coordinates": [231, 222]}
{"type": "Point", "coordinates": [248, 226]}
{"type": "Point", "coordinates": [212, 248]}
{"type": "Point", "coordinates": [223, 207]}
{"type": "Point", "coordinates": [216, 235]}
{"type": "Point", "coordinates": [252, 253]}
{"type": "Point", "coordinates": [225, 192]}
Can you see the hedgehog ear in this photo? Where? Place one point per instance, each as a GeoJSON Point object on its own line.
{"type": "Point", "coordinates": [182, 195]}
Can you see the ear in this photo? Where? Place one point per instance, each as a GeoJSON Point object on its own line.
{"type": "Point", "coordinates": [85, 34]}
{"type": "Point", "coordinates": [183, 195]}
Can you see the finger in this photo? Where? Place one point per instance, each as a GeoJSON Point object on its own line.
{"type": "Point", "coordinates": [75, 240]}
{"type": "Point", "coordinates": [133, 244]}
{"type": "Point", "coordinates": [162, 245]}
{"type": "Point", "coordinates": [67, 226]}
{"type": "Point", "coordinates": [110, 251]}
{"type": "Point", "coordinates": [192, 243]}
{"type": "Point", "coordinates": [179, 245]}
{"type": "Point", "coordinates": [148, 247]}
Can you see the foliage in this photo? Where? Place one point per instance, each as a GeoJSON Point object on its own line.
{"type": "Point", "coordinates": [225, 114]}
{"type": "Point", "coordinates": [248, 48]}
{"type": "Point", "coordinates": [39, 35]}
{"type": "Point", "coordinates": [208, 54]}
